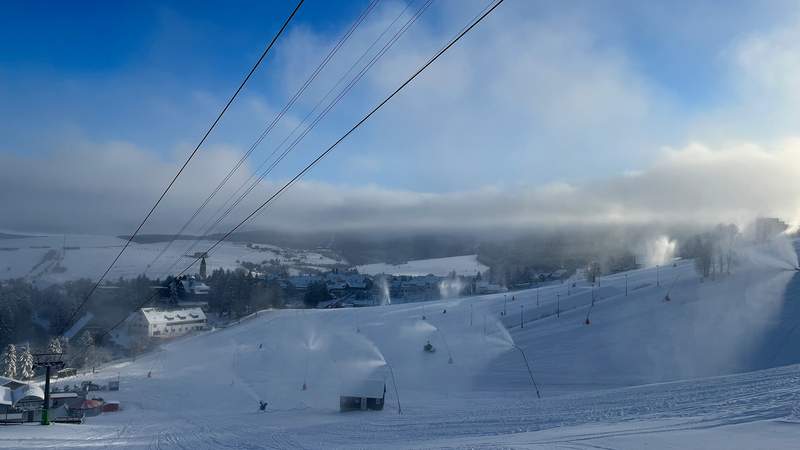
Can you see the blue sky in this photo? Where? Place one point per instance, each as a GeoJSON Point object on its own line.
{"type": "Point", "coordinates": [125, 70]}
{"type": "Point", "coordinates": [97, 68]}
{"type": "Point", "coordinates": [542, 94]}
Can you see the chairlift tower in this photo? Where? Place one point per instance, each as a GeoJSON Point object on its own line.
{"type": "Point", "coordinates": [48, 361]}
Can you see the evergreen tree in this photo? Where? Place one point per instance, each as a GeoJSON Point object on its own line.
{"type": "Point", "coordinates": [10, 362]}
{"type": "Point", "coordinates": [89, 349]}
{"type": "Point", "coordinates": [25, 364]}
{"type": "Point", "coordinates": [315, 293]}
{"type": "Point", "coordinates": [54, 346]}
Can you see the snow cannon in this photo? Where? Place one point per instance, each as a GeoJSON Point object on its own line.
{"type": "Point", "coordinates": [429, 348]}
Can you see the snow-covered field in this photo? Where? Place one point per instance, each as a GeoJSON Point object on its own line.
{"type": "Point", "coordinates": [58, 258]}
{"type": "Point", "coordinates": [463, 265]}
{"type": "Point", "coordinates": [714, 367]}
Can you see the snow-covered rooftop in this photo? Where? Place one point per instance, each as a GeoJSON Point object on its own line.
{"type": "Point", "coordinates": [12, 391]}
{"type": "Point", "coordinates": [159, 316]}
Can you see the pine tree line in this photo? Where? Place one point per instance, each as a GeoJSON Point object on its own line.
{"type": "Point", "coordinates": [18, 364]}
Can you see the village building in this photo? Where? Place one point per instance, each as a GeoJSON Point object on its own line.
{"type": "Point", "coordinates": [357, 281]}
{"type": "Point", "coordinates": [485, 287]}
{"type": "Point", "coordinates": [19, 400]}
{"type": "Point", "coordinates": [192, 286]}
{"type": "Point", "coordinates": [302, 282]}
{"type": "Point", "coordinates": [165, 323]}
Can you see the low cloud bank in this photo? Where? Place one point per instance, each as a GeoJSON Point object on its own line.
{"type": "Point", "coordinates": [108, 189]}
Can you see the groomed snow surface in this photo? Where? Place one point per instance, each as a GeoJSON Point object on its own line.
{"type": "Point", "coordinates": [714, 367]}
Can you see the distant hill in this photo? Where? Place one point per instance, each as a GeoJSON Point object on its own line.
{"type": "Point", "coordinates": [156, 238]}
{"type": "Point", "coordinates": [14, 236]}
{"type": "Point", "coordinates": [366, 248]}
{"type": "Point", "coordinates": [59, 258]}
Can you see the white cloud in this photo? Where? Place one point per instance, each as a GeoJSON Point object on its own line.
{"type": "Point", "coordinates": [525, 98]}
{"type": "Point", "coordinates": [533, 119]}
{"type": "Point", "coordinates": [761, 85]}
{"type": "Point", "coordinates": [108, 188]}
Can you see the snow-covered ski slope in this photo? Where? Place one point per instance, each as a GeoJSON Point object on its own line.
{"type": "Point", "coordinates": [57, 258]}
{"type": "Point", "coordinates": [714, 367]}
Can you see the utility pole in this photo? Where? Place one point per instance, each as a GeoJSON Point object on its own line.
{"type": "Point", "coordinates": [658, 277]}
{"type": "Point", "coordinates": [537, 297]}
{"type": "Point", "coordinates": [521, 322]}
{"type": "Point", "coordinates": [48, 361]}
{"type": "Point", "coordinates": [558, 306]}
{"type": "Point", "coordinates": [470, 314]}
{"type": "Point", "coordinates": [626, 285]}
{"type": "Point", "coordinates": [505, 300]}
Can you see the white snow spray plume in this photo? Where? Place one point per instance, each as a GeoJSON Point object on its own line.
{"type": "Point", "coordinates": [497, 332]}
{"type": "Point", "coordinates": [658, 251]}
{"type": "Point", "coordinates": [312, 341]}
{"type": "Point", "coordinates": [383, 286]}
{"type": "Point", "coordinates": [306, 361]}
{"type": "Point", "coordinates": [355, 355]}
{"type": "Point", "coordinates": [776, 253]}
{"type": "Point", "coordinates": [237, 381]}
{"type": "Point", "coordinates": [421, 328]}
{"type": "Point", "coordinates": [724, 324]}
{"type": "Point", "coordinates": [450, 288]}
